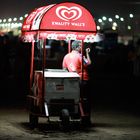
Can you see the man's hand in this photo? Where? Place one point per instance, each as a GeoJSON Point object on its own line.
{"type": "Point", "coordinates": [87, 50]}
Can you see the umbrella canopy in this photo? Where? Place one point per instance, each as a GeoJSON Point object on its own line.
{"type": "Point", "coordinates": [65, 20]}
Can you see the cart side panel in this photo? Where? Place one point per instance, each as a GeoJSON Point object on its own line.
{"type": "Point", "coordinates": [36, 99]}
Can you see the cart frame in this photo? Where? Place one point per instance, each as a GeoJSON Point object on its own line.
{"type": "Point", "coordinates": [67, 21]}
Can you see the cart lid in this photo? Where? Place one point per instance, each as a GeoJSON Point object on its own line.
{"type": "Point", "coordinates": [67, 20]}
{"type": "Point", "coordinates": [58, 73]}
{"type": "Point", "coordinates": [52, 74]}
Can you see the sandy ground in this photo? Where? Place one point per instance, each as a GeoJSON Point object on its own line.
{"type": "Point", "coordinates": [108, 125]}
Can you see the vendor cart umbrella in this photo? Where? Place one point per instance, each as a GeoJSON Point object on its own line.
{"type": "Point", "coordinates": [69, 21]}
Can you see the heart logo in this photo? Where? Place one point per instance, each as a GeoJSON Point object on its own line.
{"type": "Point", "coordinates": [65, 13]}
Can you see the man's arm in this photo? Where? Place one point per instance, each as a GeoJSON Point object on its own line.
{"type": "Point", "coordinates": [88, 56]}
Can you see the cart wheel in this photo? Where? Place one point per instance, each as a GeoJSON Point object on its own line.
{"type": "Point", "coordinates": [65, 118]}
{"type": "Point", "coordinates": [33, 120]}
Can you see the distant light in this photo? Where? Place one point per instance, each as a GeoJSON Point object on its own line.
{"type": "Point", "coordinates": [129, 27]}
{"type": "Point", "coordinates": [117, 16]}
{"type": "Point", "coordinates": [21, 18]}
{"type": "Point", "coordinates": [9, 20]}
{"type": "Point", "coordinates": [121, 19]}
{"type": "Point", "coordinates": [113, 27]}
{"type": "Point", "coordinates": [104, 18]}
{"type": "Point", "coordinates": [0, 20]}
{"type": "Point", "coordinates": [131, 15]}
{"type": "Point", "coordinates": [14, 25]}
{"type": "Point", "coordinates": [98, 27]}
{"type": "Point", "coordinates": [25, 15]}
{"type": "Point", "coordinates": [15, 19]}
{"type": "Point", "coordinates": [100, 20]}
{"type": "Point", "coordinates": [110, 20]}
{"type": "Point", "coordinates": [114, 24]}
{"type": "Point", "coordinates": [4, 20]}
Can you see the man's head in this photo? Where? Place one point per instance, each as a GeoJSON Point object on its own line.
{"type": "Point", "coordinates": [76, 45]}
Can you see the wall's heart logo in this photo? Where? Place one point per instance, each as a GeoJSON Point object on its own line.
{"type": "Point", "coordinates": [65, 13]}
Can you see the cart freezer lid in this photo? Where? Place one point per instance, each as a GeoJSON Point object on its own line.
{"type": "Point", "coordinates": [61, 74]}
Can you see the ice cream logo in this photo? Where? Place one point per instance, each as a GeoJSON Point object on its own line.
{"type": "Point", "coordinates": [66, 14]}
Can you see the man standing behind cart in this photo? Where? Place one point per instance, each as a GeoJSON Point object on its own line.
{"type": "Point", "coordinates": [73, 63]}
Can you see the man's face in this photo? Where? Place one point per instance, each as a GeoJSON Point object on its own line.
{"type": "Point", "coordinates": [80, 47]}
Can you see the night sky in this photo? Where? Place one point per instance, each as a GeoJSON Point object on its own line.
{"type": "Point", "coordinates": [16, 8]}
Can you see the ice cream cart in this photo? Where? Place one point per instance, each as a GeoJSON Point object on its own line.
{"type": "Point", "coordinates": [56, 92]}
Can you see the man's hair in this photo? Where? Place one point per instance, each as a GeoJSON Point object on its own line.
{"type": "Point", "coordinates": [75, 44]}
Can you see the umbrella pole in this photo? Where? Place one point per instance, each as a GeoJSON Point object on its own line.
{"type": "Point", "coordinates": [32, 64]}
{"type": "Point", "coordinates": [43, 67]}
{"type": "Point", "coordinates": [69, 46]}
